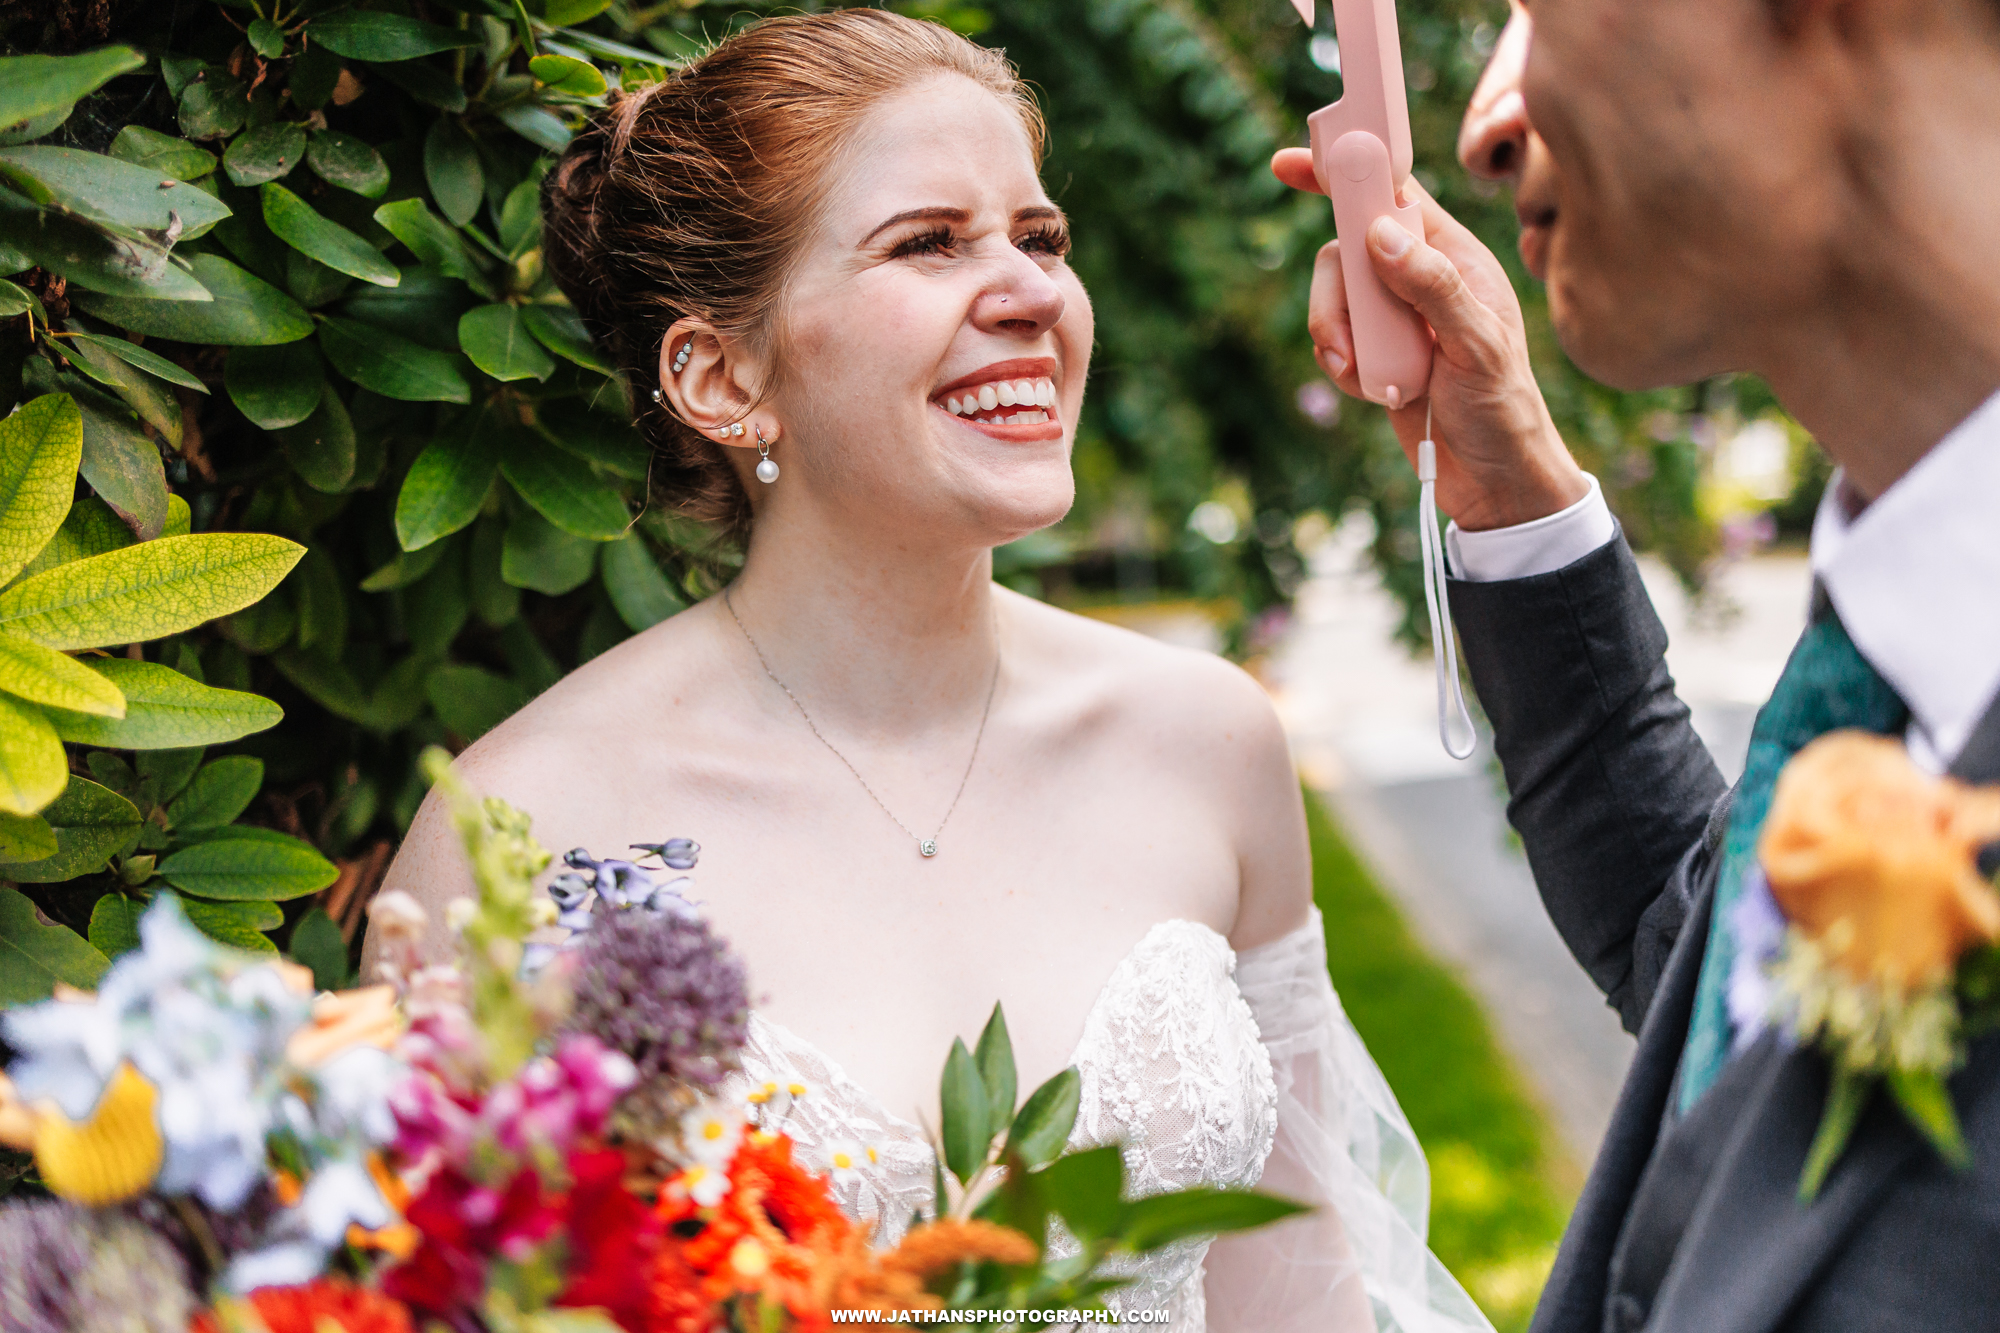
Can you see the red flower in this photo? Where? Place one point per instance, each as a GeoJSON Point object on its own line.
{"type": "Point", "coordinates": [320, 1304]}
{"type": "Point", "coordinates": [463, 1225]}
{"type": "Point", "coordinates": [612, 1239]}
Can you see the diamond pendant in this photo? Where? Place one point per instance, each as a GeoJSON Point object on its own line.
{"type": "Point", "coordinates": [928, 846]}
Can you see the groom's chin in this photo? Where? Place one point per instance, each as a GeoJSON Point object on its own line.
{"type": "Point", "coordinates": [1624, 336]}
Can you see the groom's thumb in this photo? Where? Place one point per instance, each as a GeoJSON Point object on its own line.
{"type": "Point", "coordinates": [1423, 276]}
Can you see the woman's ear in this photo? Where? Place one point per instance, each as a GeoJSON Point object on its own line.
{"type": "Point", "coordinates": [704, 378]}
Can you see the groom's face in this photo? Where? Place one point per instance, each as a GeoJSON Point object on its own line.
{"type": "Point", "coordinates": [1670, 159]}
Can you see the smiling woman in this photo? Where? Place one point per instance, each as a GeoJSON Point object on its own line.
{"type": "Point", "coordinates": [825, 244]}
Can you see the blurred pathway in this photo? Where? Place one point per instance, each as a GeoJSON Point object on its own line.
{"type": "Point", "coordinates": [1362, 716]}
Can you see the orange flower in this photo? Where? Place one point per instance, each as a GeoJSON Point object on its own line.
{"type": "Point", "coordinates": [341, 1019]}
{"type": "Point", "coordinates": [1877, 861]}
{"type": "Point", "coordinates": [323, 1305]}
{"type": "Point", "coordinates": [936, 1246]}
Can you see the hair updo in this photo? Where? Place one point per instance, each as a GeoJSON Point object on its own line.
{"type": "Point", "coordinates": [688, 198]}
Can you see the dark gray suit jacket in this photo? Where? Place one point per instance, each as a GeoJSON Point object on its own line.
{"type": "Point", "coordinates": [1694, 1226]}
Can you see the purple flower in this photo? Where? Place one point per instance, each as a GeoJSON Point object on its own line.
{"type": "Point", "coordinates": [678, 853]}
{"type": "Point", "coordinates": [666, 991]}
{"type": "Point", "coordinates": [63, 1267]}
{"type": "Point", "coordinates": [1758, 928]}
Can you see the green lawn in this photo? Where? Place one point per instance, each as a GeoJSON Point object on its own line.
{"type": "Point", "coordinates": [1500, 1186]}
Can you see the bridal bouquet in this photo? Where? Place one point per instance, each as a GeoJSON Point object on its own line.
{"type": "Point", "coordinates": [537, 1138]}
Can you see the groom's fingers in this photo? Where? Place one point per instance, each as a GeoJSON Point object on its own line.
{"type": "Point", "coordinates": [1294, 166]}
{"type": "Point", "coordinates": [1469, 333]}
{"type": "Point", "coordinates": [1327, 321]}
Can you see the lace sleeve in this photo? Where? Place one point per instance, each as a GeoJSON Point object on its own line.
{"type": "Point", "coordinates": [1359, 1263]}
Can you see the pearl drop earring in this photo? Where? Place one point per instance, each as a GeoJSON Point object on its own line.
{"type": "Point", "coordinates": [767, 471]}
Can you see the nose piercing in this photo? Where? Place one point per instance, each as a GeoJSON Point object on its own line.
{"type": "Point", "coordinates": [767, 471]}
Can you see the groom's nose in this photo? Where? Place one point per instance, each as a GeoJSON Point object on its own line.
{"type": "Point", "coordinates": [1493, 141]}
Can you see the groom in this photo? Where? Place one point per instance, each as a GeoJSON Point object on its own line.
{"type": "Point", "coordinates": [1808, 190]}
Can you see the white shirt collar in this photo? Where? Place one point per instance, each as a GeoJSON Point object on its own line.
{"type": "Point", "coordinates": [1916, 579]}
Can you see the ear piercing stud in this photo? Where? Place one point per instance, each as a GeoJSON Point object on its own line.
{"type": "Point", "coordinates": [724, 432]}
{"type": "Point", "coordinates": [656, 395]}
{"type": "Point", "coordinates": [681, 357]}
{"type": "Point", "coordinates": [767, 471]}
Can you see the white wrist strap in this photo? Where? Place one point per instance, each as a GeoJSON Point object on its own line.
{"type": "Point", "coordinates": [1451, 695]}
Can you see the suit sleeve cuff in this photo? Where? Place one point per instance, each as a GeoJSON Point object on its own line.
{"type": "Point", "coordinates": [1540, 547]}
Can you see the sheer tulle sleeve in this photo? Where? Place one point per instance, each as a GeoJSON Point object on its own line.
{"type": "Point", "coordinates": [1359, 1262]}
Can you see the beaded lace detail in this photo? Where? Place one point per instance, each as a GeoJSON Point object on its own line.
{"type": "Point", "coordinates": [1172, 1068]}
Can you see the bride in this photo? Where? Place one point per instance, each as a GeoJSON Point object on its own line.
{"type": "Point", "coordinates": [822, 257]}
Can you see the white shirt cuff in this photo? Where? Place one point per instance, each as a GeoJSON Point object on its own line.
{"type": "Point", "coordinates": [1539, 547]}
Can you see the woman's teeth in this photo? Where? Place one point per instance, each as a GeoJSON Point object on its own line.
{"type": "Point", "coordinates": [980, 404]}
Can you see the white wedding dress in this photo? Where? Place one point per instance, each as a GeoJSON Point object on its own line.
{"type": "Point", "coordinates": [1209, 1067]}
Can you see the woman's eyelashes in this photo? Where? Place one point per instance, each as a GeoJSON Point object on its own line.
{"type": "Point", "coordinates": [1047, 239]}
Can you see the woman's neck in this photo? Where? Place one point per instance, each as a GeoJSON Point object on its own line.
{"type": "Point", "coordinates": [873, 635]}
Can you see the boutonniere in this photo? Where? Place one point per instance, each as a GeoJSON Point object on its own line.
{"type": "Point", "coordinates": [1867, 932]}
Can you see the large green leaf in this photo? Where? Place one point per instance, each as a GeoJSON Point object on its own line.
{"type": "Point", "coordinates": [1087, 1188]}
{"type": "Point", "coordinates": [538, 126]}
{"type": "Point", "coordinates": [395, 701]}
{"type": "Point", "coordinates": [241, 925]}
{"type": "Point", "coordinates": [92, 256]}
{"type": "Point", "coordinates": [562, 332]}
{"type": "Point", "coordinates": [92, 528]}
{"type": "Point", "coordinates": [133, 355]}
{"type": "Point", "coordinates": [218, 794]}
{"type": "Point", "coordinates": [538, 555]}
{"type": "Point", "coordinates": [266, 153]}
{"type": "Point", "coordinates": [166, 710]}
{"type": "Point", "coordinates": [447, 484]}
{"type": "Point", "coordinates": [162, 153]}
{"type": "Point", "coordinates": [425, 82]}
{"type": "Point", "coordinates": [611, 444]}
{"type": "Point", "coordinates": [41, 445]}
{"type": "Point", "coordinates": [405, 570]}
{"type": "Point", "coordinates": [343, 160]}
{"type": "Point", "coordinates": [114, 924]}
{"type": "Point", "coordinates": [965, 1114]}
{"type": "Point", "coordinates": [143, 394]}
{"type": "Point", "coordinates": [36, 953]}
{"type": "Point", "coordinates": [315, 74]}
{"type": "Point", "coordinates": [451, 168]}
{"type": "Point", "coordinates": [246, 311]}
{"type": "Point", "coordinates": [214, 104]}
{"type": "Point", "coordinates": [33, 86]}
{"type": "Point", "coordinates": [275, 386]}
{"type": "Point", "coordinates": [392, 366]}
{"type": "Point", "coordinates": [250, 865]}
{"type": "Point", "coordinates": [363, 35]}
{"type": "Point", "coordinates": [433, 241]}
{"type": "Point", "coordinates": [92, 824]}
{"type": "Point", "coordinates": [105, 189]}
{"type": "Point", "coordinates": [995, 1057]}
{"type": "Point", "coordinates": [33, 766]}
{"type": "Point", "coordinates": [471, 701]}
{"type": "Point", "coordinates": [293, 221]}
{"type": "Point", "coordinates": [44, 676]}
{"type": "Point", "coordinates": [424, 308]}
{"type": "Point", "coordinates": [567, 74]}
{"type": "Point", "coordinates": [146, 591]}
{"type": "Point", "coordinates": [643, 598]}
{"type": "Point", "coordinates": [498, 343]}
{"type": "Point", "coordinates": [321, 596]}
{"type": "Point", "coordinates": [25, 838]}
{"type": "Point", "coordinates": [1043, 1127]}
{"type": "Point", "coordinates": [316, 942]}
{"type": "Point", "coordinates": [123, 465]}
{"type": "Point", "coordinates": [322, 448]}
{"type": "Point", "coordinates": [1203, 1210]}
{"type": "Point", "coordinates": [563, 489]}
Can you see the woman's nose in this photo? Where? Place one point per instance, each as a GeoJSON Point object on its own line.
{"type": "Point", "coordinates": [1024, 303]}
{"type": "Point", "coordinates": [1493, 141]}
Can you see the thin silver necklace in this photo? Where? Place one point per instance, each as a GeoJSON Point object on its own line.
{"type": "Point", "coordinates": [928, 847]}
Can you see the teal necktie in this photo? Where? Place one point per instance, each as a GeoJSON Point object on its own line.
{"type": "Point", "coordinates": [1827, 686]}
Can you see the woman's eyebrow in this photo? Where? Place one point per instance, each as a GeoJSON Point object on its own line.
{"type": "Point", "coordinates": [1041, 214]}
{"type": "Point", "coordinates": [935, 213]}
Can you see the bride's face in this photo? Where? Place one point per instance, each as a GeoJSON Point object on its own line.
{"type": "Point", "coordinates": [935, 339]}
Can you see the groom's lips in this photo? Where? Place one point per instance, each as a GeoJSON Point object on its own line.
{"type": "Point", "coordinates": [1537, 213]}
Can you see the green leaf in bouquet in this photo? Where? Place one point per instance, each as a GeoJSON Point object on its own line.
{"type": "Point", "coordinates": [295, 222]}
{"type": "Point", "coordinates": [965, 1114]}
{"type": "Point", "coordinates": [390, 365]}
{"type": "Point", "coordinates": [322, 448]}
{"type": "Point", "coordinates": [172, 770]}
{"type": "Point", "coordinates": [275, 386]}
{"type": "Point", "coordinates": [41, 446]}
{"type": "Point", "coordinates": [105, 189]}
{"type": "Point", "coordinates": [562, 488]}
{"type": "Point", "coordinates": [37, 85]}
{"type": "Point", "coordinates": [241, 864]}
{"type": "Point", "coordinates": [267, 153]}
{"type": "Point", "coordinates": [219, 792]}
{"type": "Point", "coordinates": [348, 162]}
{"type": "Point", "coordinates": [114, 924]}
{"type": "Point", "coordinates": [434, 242]}
{"type": "Point", "coordinates": [244, 310]}
{"type": "Point", "coordinates": [426, 83]}
{"type": "Point", "coordinates": [471, 700]}
{"type": "Point", "coordinates": [560, 330]}
{"type": "Point", "coordinates": [92, 257]}
{"type": "Point", "coordinates": [44, 676]}
{"type": "Point", "coordinates": [566, 74]}
{"type": "Point", "coordinates": [1162, 1219]}
{"type": "Point", "coordinates": [498, 343]}
{"type": "Point", "coordinates": [122, 465]}
{"type": "Point", "coordinates": [213, 105]}
{"type": "Point", "coordinates": [995, 1055]}
{"type": "Point", "coordinates": [643, 597]}
{"type": "Point", "coordinates": [1087, 1189]}
{"type": "Point", "coordinates": [451, 168]}
{"type": "Point", "coordinates": [267, 39]}
{"type": "Point", "coordinates": [240, 925]}
{"type": "Point", "coordinates": [146, 591]}
{"type": "Point", "coordinates": [133, 355]}
{"type": "Point", "coordinates": [541, 557]}
{"type": "Point", "coordinates": [316, 942]}
{"type": "Point", "coordinates": [322, 603]}
{"type": "Point", "coordinates": [1927, 1102]}
{"type": "Point", "coordinates": [162, 153]}
{"type": "Point", "coordinates": [25, 838]}
{"type": "Point", "coordinates": [1042, 1128]}
{"type": "Point", "coordinates": [447, 484]}
{"type": "Point", "coordinates": [365, 35]}
{"type": "Point", "coordinates": [165, 710]}
{"type": "Point", "coordinates": [1845, 1100]}
{"type": "Point", "coordinates": [91, 824]}
{"type": "Point", "coordinates": [539, 127]}
{"type": "Point", "coordinates": [36, 953]}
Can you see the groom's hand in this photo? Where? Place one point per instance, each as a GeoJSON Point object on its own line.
{"type": "Point", "coordinates": [1500, 460]}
